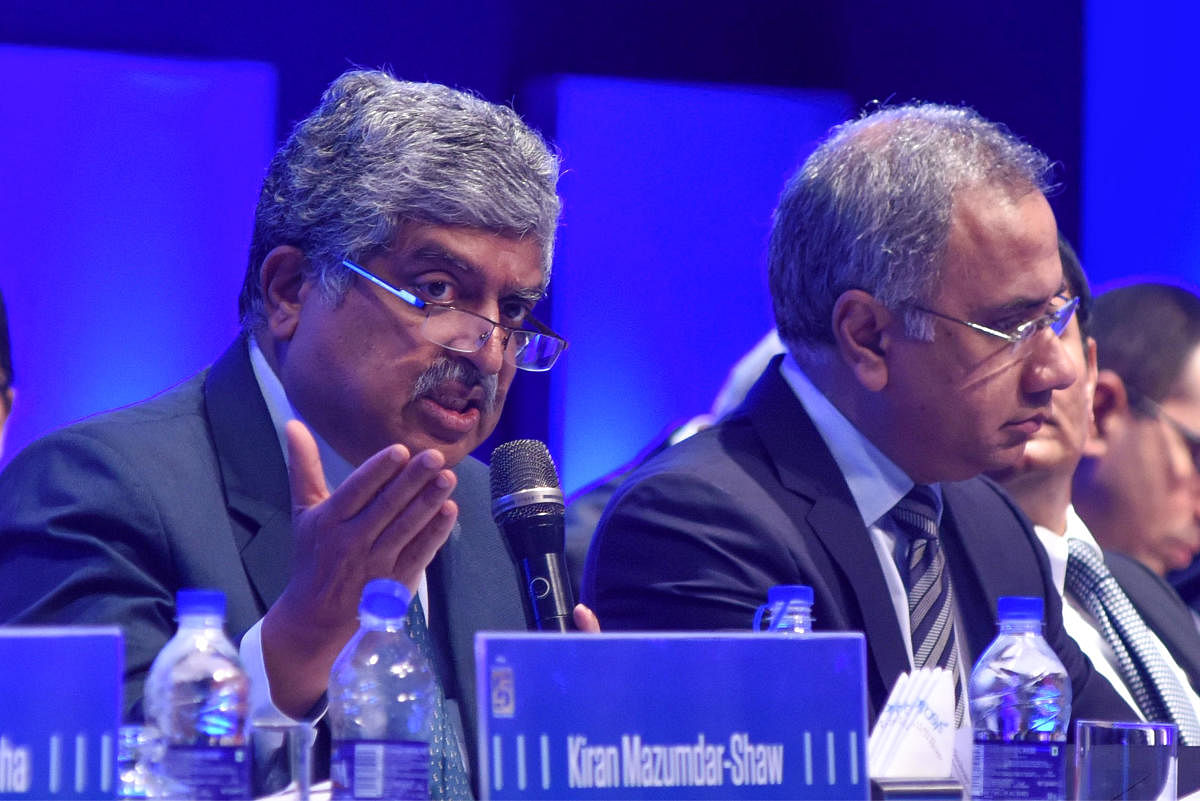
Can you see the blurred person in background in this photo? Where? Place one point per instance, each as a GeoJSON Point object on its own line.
{"type": "Point", "coordinates": [1138, 484]}
{"type": "Point", "coordinates": [1135, 629]}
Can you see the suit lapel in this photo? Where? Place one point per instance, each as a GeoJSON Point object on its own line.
{"type": "Point", "coordinates": [252, 471]}
{"type": "Point", "coordinates": [807, 469]}
{"type": "Point", "coordinates": [1166, 616]}
{"type": "Point", "coordinates": [989, 558]}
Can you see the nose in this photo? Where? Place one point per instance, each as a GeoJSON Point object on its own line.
{"type": "Point", "coordinates": [1049, 366]}
{"type": "Point", "coordinates": [489, 359]}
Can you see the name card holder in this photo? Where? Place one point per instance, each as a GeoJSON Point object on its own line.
{"type": "Point", "coordinates": [672, 716]}
{"type": "Point", "coordinates": [61, 710]}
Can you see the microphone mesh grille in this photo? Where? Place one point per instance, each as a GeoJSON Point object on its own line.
{"type": "Point", "coordinates": [520, 465]}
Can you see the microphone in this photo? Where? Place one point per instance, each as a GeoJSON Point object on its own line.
{"type": "Point", "coordinates": [527, 505]}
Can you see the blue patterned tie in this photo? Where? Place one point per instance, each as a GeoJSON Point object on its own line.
{"type": "Point", "coordinates": [1157, 690]}
{"type": "Point", "coordinates": [447, 776]}
{"type": "Point", "coordinates": [930, 596]}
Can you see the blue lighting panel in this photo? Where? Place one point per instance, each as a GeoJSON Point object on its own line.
{"type": "Point", "coordinates": [125, 219]}
{"type": "Point", "coordinates": [1141, 184]}
{"type": "Point", "coordinates": [660, 282]}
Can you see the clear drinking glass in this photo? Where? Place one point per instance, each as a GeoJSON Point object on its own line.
{"type": "Point", "coordinates": [1125, 760]}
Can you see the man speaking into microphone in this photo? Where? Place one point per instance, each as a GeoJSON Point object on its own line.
{"type": "Point", "coordinates": [403, 235]}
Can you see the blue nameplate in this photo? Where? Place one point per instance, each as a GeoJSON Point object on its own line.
{"type": "Point", "coordinates": [62, 706]}
{"type": "Point", "coordinates": [671, 716]}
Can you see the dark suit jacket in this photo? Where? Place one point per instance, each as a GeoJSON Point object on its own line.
{"type": "Point", "coordinates": [103, 521]}
{"type": "Point", "coordinates": [694, 538]}
{"type": "Point", "coordinates": [1162, 609]}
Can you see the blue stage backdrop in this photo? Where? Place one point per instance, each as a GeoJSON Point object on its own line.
{"type": "Point", "coordinates": [1141, 179]}
{"type": "Point", "coordinates": [660, 281]}
{"type": "Point", "coordinates": [129, 186]}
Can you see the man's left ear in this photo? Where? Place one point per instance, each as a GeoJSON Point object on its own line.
{"type": "Point", "coordinates": [859, 331]}
{"type": "Point", "coordinates": [284, 289]}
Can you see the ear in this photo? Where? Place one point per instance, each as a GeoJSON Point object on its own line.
{"type": "Point", "coordinates": [283, 288]}
{"type": "Point", "coordinates": [859, 323]}
{"type": "Point", "coordinates": [1110, 413]}
{"type": "Point", "coordinates": [1089, 378]}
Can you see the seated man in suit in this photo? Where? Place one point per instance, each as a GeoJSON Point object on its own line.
{"type": "Point", "coordinates": [916, 283]}
{"type": "Point", "coordinates": [1109, 621]}
{"type": "Point", "coordinates": [1138, 485]}
{"type": "Point", "coordinates": [402, 237]}
{"type": "Point", "coordinates": [585, 508]}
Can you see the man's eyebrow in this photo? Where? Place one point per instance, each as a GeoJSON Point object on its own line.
{"type": "Point", "coordinates": [445, 258]}
{"type": "Point", "coordinates": [530, 295]}
{"type": "Point", "coordinates": [1029, 304]}
{"type": "Point", "coordinates": [449, 260]}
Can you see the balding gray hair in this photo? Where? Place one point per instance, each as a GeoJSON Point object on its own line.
{"type": "Point", "coordinates": [379, 152]}
{"type": "Point", "coordinates": [871, 209]}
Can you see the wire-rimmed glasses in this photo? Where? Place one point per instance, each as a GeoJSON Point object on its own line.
{"type": "Point", "coordinates": [465, 331]}
{"type": "Point", "coordinates": [1056, 320]}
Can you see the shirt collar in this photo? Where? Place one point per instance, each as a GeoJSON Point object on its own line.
{"type": "Point", "coordinates": [1057, 548]}
{"type": "Point", "coordinates": [336, 468]}
{"type": "Point", "coordinates": [875, 482]}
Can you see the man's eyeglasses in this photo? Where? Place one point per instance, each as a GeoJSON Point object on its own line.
{"type": "Point", "coordinates": [1190, 437]}
{"type": "Point", "coordinates": [466, 332]}
{"type": "Point", "coordinates": [1056, 320]}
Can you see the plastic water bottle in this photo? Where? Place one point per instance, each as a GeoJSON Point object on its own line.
{"type": "Point", "coordinates": [1020, 707]}
{"type": "Point", "coordinates": [381, 698]}
{"type": "Point", "coordinates": [788, 610]}
{"type": "Point", "coordinates": [198, 696]}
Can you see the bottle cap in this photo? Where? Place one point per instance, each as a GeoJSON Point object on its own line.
{"type": "Point", "coordinates": [1019, 608]}
{"type": "Point", "coordinates": [199, 602]}
{"type": "Point", "coordinates": [385, 598]}
{"type": "Point", "coordinates": [782, 593]}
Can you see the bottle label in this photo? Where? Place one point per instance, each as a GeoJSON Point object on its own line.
{"type": "Point", "coordinates": [393, 769]}
{"type": "Point", "coordinates": [209, 771]}
{"type": "Point", "coordinates": [1014, 771]}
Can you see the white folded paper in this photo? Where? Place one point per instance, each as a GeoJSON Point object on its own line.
{"type": "Point", "coordinates": [914, 735]}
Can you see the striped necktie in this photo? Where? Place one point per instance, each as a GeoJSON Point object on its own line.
{"type": "Point", "coordinates": [930, 596]}
{"type": "Point", "coordinates": [1158, 692]}
{"type": "Point", "coordinates": [447, 776]}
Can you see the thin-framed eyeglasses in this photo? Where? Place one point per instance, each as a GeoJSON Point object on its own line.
{"type": "Point", "coordinates": [1190, 437]}
{"type": "Point", "coordinates": [1056, 320]}
{"type": "Point", "coordinates": [465, 331]}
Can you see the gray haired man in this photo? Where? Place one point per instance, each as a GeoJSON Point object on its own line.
{"type": "Point", "coordinates": [403, 235]}
{"type": "Point", "coordinates": [917, 287]}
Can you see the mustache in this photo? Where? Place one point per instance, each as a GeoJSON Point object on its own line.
{"type": "Point", "coordinates": [445, 370]}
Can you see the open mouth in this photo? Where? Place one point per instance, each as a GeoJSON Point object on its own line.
{"type": "Point", "coordinates": [457, 398]}
{"type": "Point", "coordinates": [452, 409]}
{"type": "Point", "coordinates": [455, 403]}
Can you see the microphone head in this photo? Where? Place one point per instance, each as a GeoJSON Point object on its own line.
{"type": "Point", "coordinates": [524, 481]}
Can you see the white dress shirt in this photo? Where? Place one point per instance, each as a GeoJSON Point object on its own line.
{"type": "Point", "coordinates": [877, 485]}
{"type": "Point", "coordinates": [1082, 626]}
{"type": "Point", "coordinates": [336, 471]}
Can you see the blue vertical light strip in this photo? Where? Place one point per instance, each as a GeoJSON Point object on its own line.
{"type": "Point", "coordinates": [125, 219]}
{"type": "Point", "coordinates": [660, 281]}
{"type": "Point", "coordinates": [1141, 176]}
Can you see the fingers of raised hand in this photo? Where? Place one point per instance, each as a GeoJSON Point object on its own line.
{"type": "Point", "coordinates": [429, 506]}
{"type": "Point", "coordinates": [412, 559]}
{"type": "Point", "coordinates": [306, 477]}
{"type": "Point", "coordinates": [362, 489]}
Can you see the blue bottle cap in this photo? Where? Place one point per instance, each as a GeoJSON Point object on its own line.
{"type": "Point", "coordinates": [782, 593]}
{"type": "Point", "coordinates": [1015, 607]}
{"type": "Point", "coordinates": [199, 602]}
{"type": "Point", "coordinates": [385, 598]}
